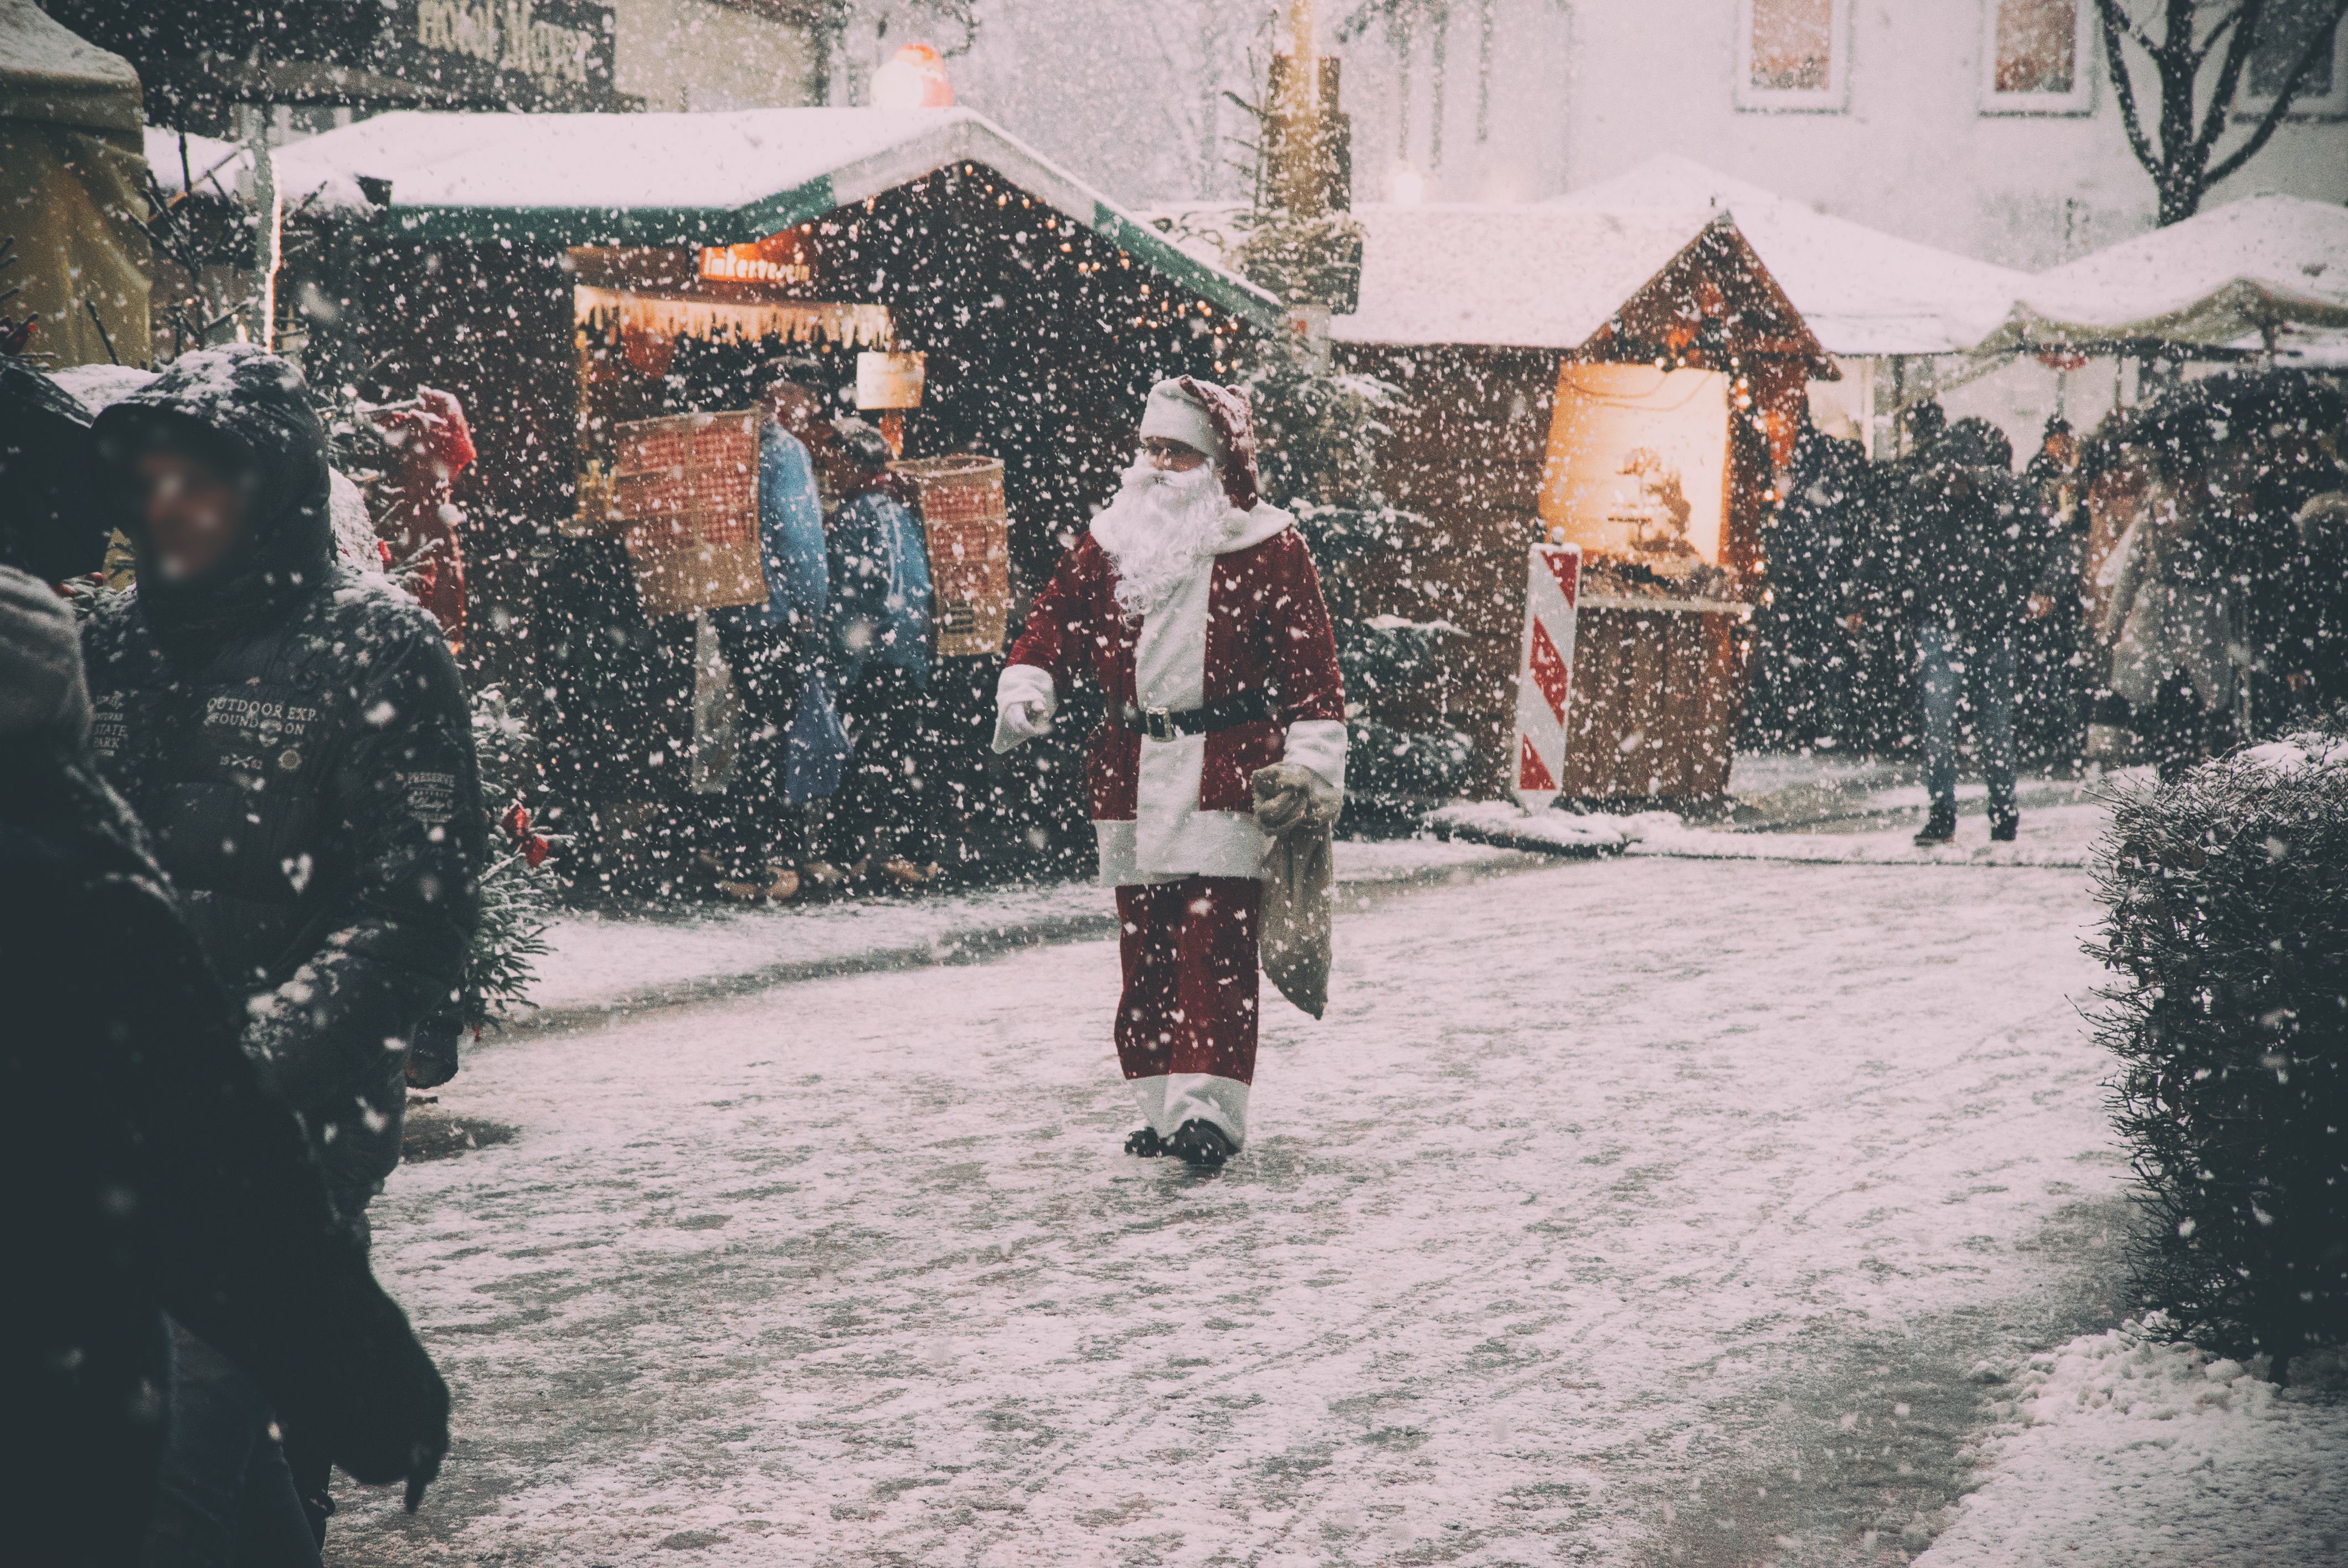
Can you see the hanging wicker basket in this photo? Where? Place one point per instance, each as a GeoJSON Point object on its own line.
{"type": "Point", "coordinates": [969, 531]}
{"type": "Point", "coordinates": [686, 489]}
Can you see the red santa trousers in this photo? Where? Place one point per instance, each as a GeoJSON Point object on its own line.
{"type": "Point", "coordinates": [1186, 1027]}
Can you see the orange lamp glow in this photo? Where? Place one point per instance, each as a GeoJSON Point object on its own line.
{"type": "Point", "coordinates": [913, 78]}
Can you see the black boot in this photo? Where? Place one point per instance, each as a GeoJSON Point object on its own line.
{"type": "Point", "coordinates": [2004, 826]}
{"type": "Point", "coordinates": [1201, 1144]}
{"type": "Point", "coordinates": [1942, 826]}
{"type": "Point", "coordinates": [1145, 1141]}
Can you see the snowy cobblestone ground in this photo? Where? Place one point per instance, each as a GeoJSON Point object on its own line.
{"type": "Point", "coordinates": [1629, 1211]}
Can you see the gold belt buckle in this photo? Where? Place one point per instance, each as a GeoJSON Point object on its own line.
{"type": "Point", "coordinates": [1158, 724]}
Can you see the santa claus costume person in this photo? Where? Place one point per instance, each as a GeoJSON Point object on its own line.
{"type": "Point", "coordinates": [1196, 607]}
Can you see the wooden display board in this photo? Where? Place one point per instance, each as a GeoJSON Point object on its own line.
{"type": "Point", "coordinates": [969, 531]}
{"type": "Point", "coordinates": [686, 491]}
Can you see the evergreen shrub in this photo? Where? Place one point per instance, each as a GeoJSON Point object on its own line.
{"type": "Point", "coordinates": [2226, 896]}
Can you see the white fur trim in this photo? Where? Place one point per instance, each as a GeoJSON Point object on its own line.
{"type": "Point", "coordinates": [1318, 744]}
{"type": "Point", "coordinates": [1245, 530]}
{"type": "Point", "coordinates": [1207, 843]}
{"type": "Point", "coordinates": [1149, 1093]}
{"type": "Point", "coordinates": [1194, 1096]}
{"type": "Point", "coordinates": [1175, 415]}
{"type": "Point", "coordinates": [1021, 683]}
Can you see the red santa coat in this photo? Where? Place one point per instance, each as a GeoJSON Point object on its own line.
{"type": "Point", "coordinates": [1251, 619]}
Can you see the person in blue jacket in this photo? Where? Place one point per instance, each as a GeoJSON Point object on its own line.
{"type": "Point", "coordinates": [773, 649]}
{"type": "Point", "coordinates": [881, 821]}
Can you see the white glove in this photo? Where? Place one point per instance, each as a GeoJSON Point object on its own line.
{"type": "Point", "coordinates": [1018, 722]}
{"type": "Point", "coordinates": [1290, 795]}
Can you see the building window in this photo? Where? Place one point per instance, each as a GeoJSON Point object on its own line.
{"type": "Point", "coordinates": [2035, 55]}
{"type": "Point", "coordinates": [1793, 54]}
{"type": "Point", "coordinates": [2284, 30]}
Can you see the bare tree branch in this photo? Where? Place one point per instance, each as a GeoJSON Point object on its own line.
{"type": "Point", "coordinates": [2230, 19]}
{"type": "Point", "coordinates": [2320, 40]}
{"type": "Point", "coordinates": [2230, 75]}
{"type": "Point", "coordinates": [2116, 27]}
{"type": "Point", "coordinates": [2114, 17]}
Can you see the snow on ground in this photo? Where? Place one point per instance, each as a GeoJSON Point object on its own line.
{"type": "Point", "coordinates": [1629, 1211]}
{"type": "Point", "coordinates": [643, 958]}
{"type": "Point", "coordinates": [2119, 1450]}
{"type": "Point", "coordinates": [1858, 815]}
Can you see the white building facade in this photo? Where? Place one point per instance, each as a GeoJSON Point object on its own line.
{"type": "Point", "coordinates": [1987, 126]}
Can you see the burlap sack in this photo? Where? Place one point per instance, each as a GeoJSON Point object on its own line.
{"type": "Point", "coordinates": [1298, 809]}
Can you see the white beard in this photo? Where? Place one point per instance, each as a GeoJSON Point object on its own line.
{"type": "Point", "coordinates": [1161, 528]}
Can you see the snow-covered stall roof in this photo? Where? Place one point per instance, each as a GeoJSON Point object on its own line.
{"type": "Point", "coordinates": [1515, 277]}
{"type": "Point", "coordinates": [717, 179]}
{"type": "Point", "coordinates": [215, 165]}
{"type": "Point", "coordinates": [1490, 276]}
{"type": "Point", "coordinates": [1862, 291]}
{"type": "Point", "coordinates": [2265, 263]}
{"type": "Point", "coordinates": [53, 77]}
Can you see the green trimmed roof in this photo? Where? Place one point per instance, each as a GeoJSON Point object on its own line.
{"type": "Point", "coordinates": [555, 180]}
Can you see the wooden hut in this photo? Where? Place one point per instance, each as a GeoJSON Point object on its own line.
{"type": "Point", "coordinates": [1631, 379]}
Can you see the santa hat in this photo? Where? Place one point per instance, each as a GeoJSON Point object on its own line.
{"type": "Point", "coordinates": [1212, 419]}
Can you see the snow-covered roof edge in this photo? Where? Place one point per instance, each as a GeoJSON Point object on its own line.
{"type": "Point", "coordinates": [2232, 271]}
{"type": "Point", "coordinates": [943, 137]}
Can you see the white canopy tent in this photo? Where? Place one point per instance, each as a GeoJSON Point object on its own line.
{"type": "Point", "coordinates": [2265, 271]}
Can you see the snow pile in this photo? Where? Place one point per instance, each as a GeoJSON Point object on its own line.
{"type": "Point", "coordinates": [2293, 753]}
{"type": "Point", "coordinates": [1527, 277]}
{"type": "Point", "coordinates": [1508, 824]}
{"type": "Point", "coordinates": [2122, 1450]}
{"type": "Point", "coordinates": [2060, 835]}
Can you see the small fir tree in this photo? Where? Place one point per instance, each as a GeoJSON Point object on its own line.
{"type": "Point", "coordinates": [1318, 429]}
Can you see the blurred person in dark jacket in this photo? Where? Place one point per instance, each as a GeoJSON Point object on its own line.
{"type": "Point", "coordinates": [152, 1170]}
{"type": "Point", "coordinates": [297, 739]}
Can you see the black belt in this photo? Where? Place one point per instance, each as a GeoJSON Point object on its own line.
{"type": "Point", "coordinates": [1222, 713]}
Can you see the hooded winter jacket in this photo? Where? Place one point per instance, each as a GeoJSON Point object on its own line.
{"type": "Point", "coordinates": [296, 737]}
{"type": "Point", "coordinates": [1967, 544]}
{"type": "Point", "coordinates": [148, 1167]}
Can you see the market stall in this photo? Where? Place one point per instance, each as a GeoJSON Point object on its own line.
{"type": "Point", "coordinates": [1623, 380]}
{"type": "Point", "coordinates": [574, 276]}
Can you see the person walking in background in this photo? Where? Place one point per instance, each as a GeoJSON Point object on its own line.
{"type": "Point", "coordinates": [774, 650]}
{"type": "Point", "coordinates": [882, 821]}
{"type": "Point", "coordinates": [1964, 549]}
{"type": "Point", "coordinates": [298, 739]}
{"type": "Point", "coordinates": [1810, 694]}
